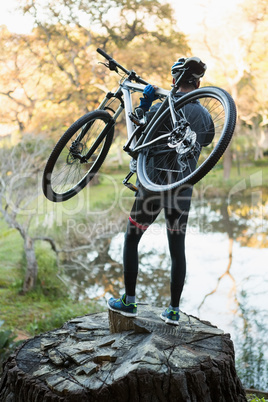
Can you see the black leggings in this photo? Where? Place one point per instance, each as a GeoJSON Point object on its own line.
{"type": "Point", "coordinates": [139, 220]}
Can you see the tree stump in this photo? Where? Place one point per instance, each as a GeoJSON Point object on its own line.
{"type": "Point", "coordinates": [126, 360]}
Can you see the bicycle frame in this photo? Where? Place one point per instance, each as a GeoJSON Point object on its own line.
{"type": "Point", "coordinates": [123, 93]}
{"type": "Point", "coordinates": [82, 149]}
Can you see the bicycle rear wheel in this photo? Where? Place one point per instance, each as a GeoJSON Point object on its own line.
{"type": "Point", "coordinates": [185, 153]}
{"type": "Point", "coordinates": [78, 156]}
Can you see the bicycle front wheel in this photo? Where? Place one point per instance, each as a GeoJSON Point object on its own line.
{"type": "Point", "coordinates": [181, 154]}
{"type": "Point", "coordinates": [78, 156]}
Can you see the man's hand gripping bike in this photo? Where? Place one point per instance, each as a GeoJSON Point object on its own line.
{"type": "Point", "coordinates": [176, 148]}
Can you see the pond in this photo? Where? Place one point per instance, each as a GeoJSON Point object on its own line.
{"type": "Point", "coordinates": [227, 276]}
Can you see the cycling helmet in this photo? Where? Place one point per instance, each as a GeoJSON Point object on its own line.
{"type": "Point", "coordinates": [192, 68]}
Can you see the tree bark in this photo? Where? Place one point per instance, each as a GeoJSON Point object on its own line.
{"type": "Point", "coordinates": [30, 277]}
{"type": "Point", "coordinates": [32, 267]}
{"type": "Point", "coordinates": [126, 360]}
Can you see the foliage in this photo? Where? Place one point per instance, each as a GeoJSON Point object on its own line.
{"type": "Point", "coordinates": [49, 282]}
{"type": "Point", "coordinates": [20, 168]}
{"type": "Point", "coordinates": [238, 57]}
{"type": "Point", "coordinates": [48, 279]}
{"type": "Point", "coordinates": [52, 77]}
{"type": "Point", "coordinates": [251, 361]}
{"type": "Point", "coordinates": [6, 338]}
{"type": "Point", "coordinates": [7, 344]}
{"type": "Point", "coordinates": [36, 312]}
{"type": "Point", "coordinates": [60, 315]}
{"type": "Point", "coordinates": [43, 310]}
{"type": "Point", "coordinates": [53, 315]}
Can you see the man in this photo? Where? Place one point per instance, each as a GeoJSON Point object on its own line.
{"type": "Point", "coordinates": [176, 207]}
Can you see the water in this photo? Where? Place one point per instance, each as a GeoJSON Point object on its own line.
{"type": "Point", "coordinates": [227, 275]}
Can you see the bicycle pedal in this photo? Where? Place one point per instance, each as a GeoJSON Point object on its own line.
{"type": "Point", "coordinates": [136, 120]}
{"type": "Point", "coordinates": [130, 186]}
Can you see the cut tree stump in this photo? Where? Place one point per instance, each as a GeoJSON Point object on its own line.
{"type": "Point", "coordinates": [92, 358]}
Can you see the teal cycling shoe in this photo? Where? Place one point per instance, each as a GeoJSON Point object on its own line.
{"type": "Point", "coordinates": [170, 317]}
{"type": "Point", "coordinates": [120, 306]}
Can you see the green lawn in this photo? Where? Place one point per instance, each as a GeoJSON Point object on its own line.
{"type": "Point", "coordinates": [28, 312]}
{"type": "Point", "coordinates": [38, 311]}
{"type": "Point", "coordinates": [249, 176]}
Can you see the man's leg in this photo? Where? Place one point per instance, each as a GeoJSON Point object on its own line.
{"type": "Point", "coordinates": [176, 242]}
{"type": "Point", "coordinates": [141, 217]}
{"type": "Point", "coordinates": [176, 227]}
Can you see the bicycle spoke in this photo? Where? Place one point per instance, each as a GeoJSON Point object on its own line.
{"type": "Point", "coordinates": [189, 144]}
{"type": "Point", "coordinates": [70, 172]}
{"type": "Point", "coordinates": [77, 156]}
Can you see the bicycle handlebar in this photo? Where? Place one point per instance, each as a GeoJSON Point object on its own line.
{"type": "Point", "coordinates": [104, 54]}
{"type": "Point", "coordinates": [113, 65]}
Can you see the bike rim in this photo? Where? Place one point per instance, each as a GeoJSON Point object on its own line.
{"type": "Point", "coordinates": [71, 172]}
{"type": "Point", "coordinates": [166, 171]}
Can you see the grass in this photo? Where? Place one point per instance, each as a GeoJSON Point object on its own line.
{"type": "Point", "coordinates": [23, 316]}
{"type": "Point", "coordinates": [34, 312]}
{"type": "Point", "coordinates": [26, 313]}
{"type": "Point", "coordinates": [254, 398]}
{"type": "Point", "coordinates": [37, 312]}
{"type": "Point", "coordinates": [249, 176]}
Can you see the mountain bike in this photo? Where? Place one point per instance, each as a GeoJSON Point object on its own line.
{"type": "Point", "coordinates": [174, 149]}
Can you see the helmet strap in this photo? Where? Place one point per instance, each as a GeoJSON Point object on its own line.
{"type": "Point", "coordinates": [194, 83]}
{"type": "Point", "coordinates": [179, 79]}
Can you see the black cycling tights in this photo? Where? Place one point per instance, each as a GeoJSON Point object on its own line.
{"type": "Point", "coordinates": [176, 225]}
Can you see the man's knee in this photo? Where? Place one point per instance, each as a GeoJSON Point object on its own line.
{"type": "Point", "coordinates": [133, 234]}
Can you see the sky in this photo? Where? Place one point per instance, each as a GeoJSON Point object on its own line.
{"type": "Point", "coordinates": [14, 21]}
{"type": "Point", "coordinates": [189, 14]}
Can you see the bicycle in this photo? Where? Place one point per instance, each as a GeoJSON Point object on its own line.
{"type": "Point", "coordinates": [169, 151]}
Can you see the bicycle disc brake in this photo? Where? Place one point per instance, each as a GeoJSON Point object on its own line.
{"type": "Point", "coordinates": [187, 144]}
{"type": "Point", "coordinates": [75, 152]}
{"type": "Point", "coordinates": [183, 139]}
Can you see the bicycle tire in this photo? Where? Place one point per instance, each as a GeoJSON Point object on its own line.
{"type": "Point", "coordinates": [160, 169]}
{"type": "Point", "coordinates": [68, 170]}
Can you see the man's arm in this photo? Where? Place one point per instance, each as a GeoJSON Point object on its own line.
{"type": "Point", "coordinates": [148, 97]}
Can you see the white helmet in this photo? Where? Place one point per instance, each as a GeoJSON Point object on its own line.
{"type": "Point", "coordinates": [192, 68]}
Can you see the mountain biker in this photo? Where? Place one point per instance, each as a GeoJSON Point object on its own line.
{"type": "Point", "coordinates": [176, 204]}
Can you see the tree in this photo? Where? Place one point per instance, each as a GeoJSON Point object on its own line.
{"type": "Point", "coordinates": [65, 79]}
{"type": "Point", "coordinates": [38, 92]}
{"type": "Point", "coordinates": [19, 168]}
{"type": "Point", "coordinates": [20, 81]}
{"type": "Point", "coordinates": [237, 61]}
{"type": "Point", "coordinates": [253, 87]}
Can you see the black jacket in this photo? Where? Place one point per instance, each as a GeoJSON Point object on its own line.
{"type": "Point", "coordinates": [201, 123]}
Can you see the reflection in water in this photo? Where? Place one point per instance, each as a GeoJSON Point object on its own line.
{"type": "Point", "coordinates": [226, 264]}
{"type": "Point", "coordinates": [99, 274]}
{"type": "Point", "coordinates": [229, 229]}
{"type": "Point", "coordinates": [218, 236]}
